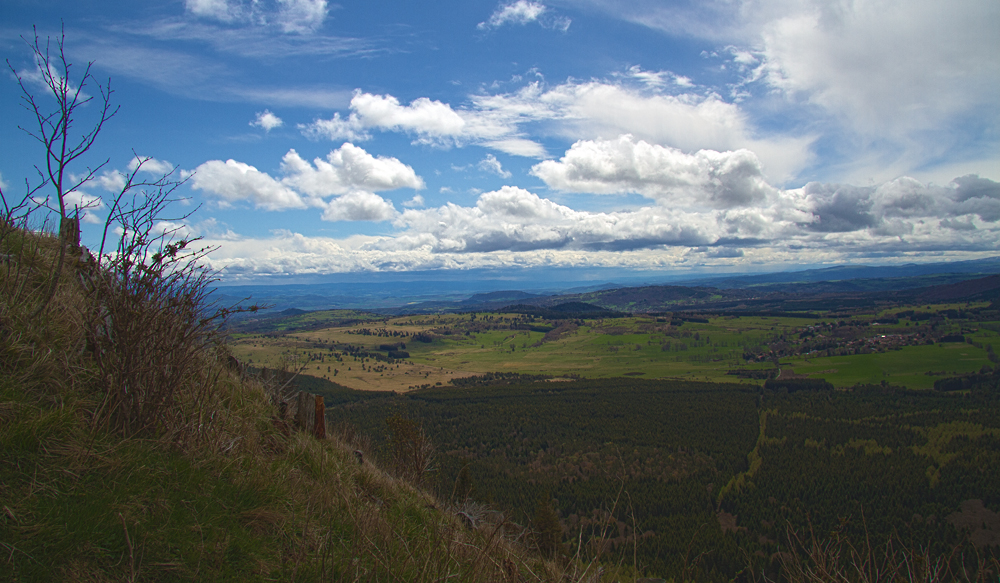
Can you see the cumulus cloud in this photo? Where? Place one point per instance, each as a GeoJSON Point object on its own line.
{"type": "Point", "coordinates": [335, 128]}
{"type": "Point", "coordinates": [233, 181]}
{"type": "Point", "coordinates": [266, 121]}
{"type": "Point", "coordinates": [429, 119]}
{"type": "Point", "coordinates": [346, 169]}
{"type": "Point", "coordinates": [492, 165]}
{"type": "Point", "coordinates": [704, 179]}
{"type": "Point", "coordinates": [524, 12]}
{"type": "Point", "coordinates": [359, 206]}
{"type": "Point", "coordinates": [516, 220]}
{"type": "Point", "coordinates": [349, 172]}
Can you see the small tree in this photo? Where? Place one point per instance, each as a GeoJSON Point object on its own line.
{"type": "Point", "coordinates": [54, 129]}
{"type": "Point", "coordinates": [412, 450]}
{"type": "Point", "coordinates": [547, 528]}
{"type": "Point", "coordinates": [148, 318]}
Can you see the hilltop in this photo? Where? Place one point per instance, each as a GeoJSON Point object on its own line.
{"type": "Point", "coordinates": [134, 449]}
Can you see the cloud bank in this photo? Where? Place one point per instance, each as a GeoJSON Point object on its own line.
{"type": "Point", "coordinates": [513, 227]}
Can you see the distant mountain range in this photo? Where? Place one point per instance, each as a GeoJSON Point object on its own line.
{"type": "Point", "coordinates": [898, 273]}
{"type": "Point", "coordinates": [849, 285]}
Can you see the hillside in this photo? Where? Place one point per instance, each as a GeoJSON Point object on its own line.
{"type": "Point", "coordinates": [133, 449]}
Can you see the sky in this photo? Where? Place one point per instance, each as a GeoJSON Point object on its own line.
{"type": "Point", "coordinates": [650, 136]}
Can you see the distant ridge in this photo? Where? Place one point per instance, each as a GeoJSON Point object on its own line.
{"type": "Point", "coordinates": [987, 288]}
{"type": "Point", "coordinates": [563, 310]}
{"type": "Point", "coordinates": [500, 296]}
{"type": "Point", "coordinates": [990, 265]}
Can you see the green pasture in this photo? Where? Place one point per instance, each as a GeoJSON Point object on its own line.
{"type": "Point", "coordinates": [634, 349]}
{"type": "Point", "coordinates": [907, 367]}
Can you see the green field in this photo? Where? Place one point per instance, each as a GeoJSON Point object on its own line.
{"type": "Point", "coordinates": [908, 367]}
{"type": "Point", "coordinates": [845, 351]}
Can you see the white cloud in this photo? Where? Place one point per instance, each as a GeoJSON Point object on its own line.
{"type": "Point", "coordinates": [291, 16]}
{"type": "Point", "coordinates": [217, 9]}
{"type": "Point", "coordinates": [893, 87]}
{"type": "Point", "coordinates": [896, 67]}
{"type": "Point", "coordinates": [517, 147]}
{"type": "Point", "coordinates": [301, 16]}
{"type": "Point", "coordinates": [691, 120]}
{"type": "Point", "coordinates": [432, 122]}
{"type": "Point", "coordinates": [111, 181]}
{"type": "Point", "coordinates": [427, 118]}
{"type": "Point", "coordinates": [47, 78]}
{"type": "Point", "coordinates": [705, 179]}
{"type": "Point", "coordinates": [832, 221]}
{"type": "Point", "coordinates": [150, 165]}
{"type": "Point", "coordinates": [516, 220]}
{"type": "Point", "coordinates": [416, 201]}
{"type": "Point", "coordinates": [348, 172]}
{"type": "Point", "coordinates": [658, 79]}
{"type": "Point", "coordinates": [266, 121]}
{"type": "Point", "coordinates": [492, 165]}
{"type": "Point", "coordinates": [335, 129]}
{"type": "Point", "coordinates": [524, 12]}
{"type": "Point", "coordinates": [114, 181]}
{"type": "Point", "coordinates": [359, 206]}
{"type": "Point", "coordinates": [688, 121]}
{"type": "Point", "coordinates": [233, 181]}
{"type": "Point", "coordinates": [346, 169]}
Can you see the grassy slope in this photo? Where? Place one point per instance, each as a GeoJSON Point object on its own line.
{"type": "Point", "coordinates": [222, 490]}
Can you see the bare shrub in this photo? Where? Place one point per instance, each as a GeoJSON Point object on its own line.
{"type": "Point", "coordinates": [412, 451]}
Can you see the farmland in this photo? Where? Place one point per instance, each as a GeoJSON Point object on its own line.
{"type": "Point", "coordinates": [353, 348]}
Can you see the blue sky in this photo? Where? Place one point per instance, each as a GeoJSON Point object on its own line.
{"type": "Point", "coordinates": [653, 136]}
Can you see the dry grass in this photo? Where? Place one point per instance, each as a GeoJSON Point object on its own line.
{"type": "Point", "coordinates": [811, 559]}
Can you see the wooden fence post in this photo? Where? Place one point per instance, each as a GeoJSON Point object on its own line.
{"type": "Point", "coordinates": [303, 411]}
{"type": "Point", "coordinates": [69, 231]}
{"type": "Point", "coordinates": [320, 429]}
